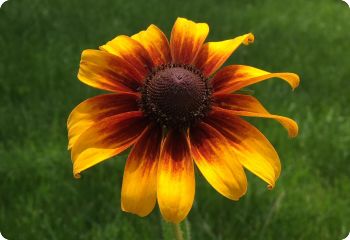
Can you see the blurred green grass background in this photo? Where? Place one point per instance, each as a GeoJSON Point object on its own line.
{"type": "Point", "coordinates": [41, 42]}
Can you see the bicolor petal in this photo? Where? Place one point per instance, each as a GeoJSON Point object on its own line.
{"type": "Point", "coordinates": [187, 38]}
{"type": "Point", "coordinates": [105, 71]}
{"type": "Point", "coordinates": [139, 189]}
{"type": "Point", "coordinates": [214, 54]}
{"type": "Point", "coordinates": [106, 139]}
{"type": "Point", "coordinates": [156, 44]}
{"type": "Point", "coordinates": [175, 184]}
{"type": "Point", "coordinates": [236, 77]}
{"type": "Point", "coordinates": [249, 106]}
{"type": "Point", "coordinates": [131, 51]}
{"type": "Point", "coordinates": [96, 109]}
{"type": "Point", "coordinates": [252, 148]}
{"type": "Point", "coordinates": [217, 162]}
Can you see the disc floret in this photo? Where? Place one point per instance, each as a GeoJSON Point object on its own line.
{"type": "Point", "coordinates": [176, 95]}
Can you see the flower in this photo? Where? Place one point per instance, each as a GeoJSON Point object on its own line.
{"type": "Point", "coordinates": [173, 105]}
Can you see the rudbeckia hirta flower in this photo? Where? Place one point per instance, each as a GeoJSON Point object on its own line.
{"type": "Point", "coordinates": [176, 108]}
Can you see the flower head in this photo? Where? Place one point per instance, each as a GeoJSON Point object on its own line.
{"type": "Point", "coordinates": [174, 105]}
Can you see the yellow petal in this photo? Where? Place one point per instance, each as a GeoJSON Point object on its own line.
{"type": "Point", "coordinates": [235, 77]}
{"type": "Point", "coordinates": [187, 38]}
{"type": "Point", "coordinates": [252, 148]}
{"type": "Point", "coordinates": [139, 189]}
{"type": "Point", "coordinates": [175, 184]}
{"type": "Point", "coordinates": [249, 106]}
{"type": "Point", "coordinates": [214, 54]}
{"type": "Point", "coordinates": [106, 139]}
{"type": "Point", "coordinates": [217, 162]}
{"type": "Point", "coordinates": [108, 72]}
{"type": "Point", "coordinates": [97, 108]}
{"type": "Point", "coordinates": [156, 44]}
{"type": "Point", "coordinates": [131, 51]}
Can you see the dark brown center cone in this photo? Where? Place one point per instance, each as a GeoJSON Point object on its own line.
{"type": "Point", "coordinates": [176, 95]}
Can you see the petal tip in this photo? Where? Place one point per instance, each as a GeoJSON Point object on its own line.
{"type": "Point", "coordinates": [76, 175]}
{"type": "Point", "coordinates": [76, 170]}
{"type": "Point", "coordinates": [135, 212]}
{"type": "Point", "coordinates": [296, 81]}
{"type": "Point", "coordinates": [293, 135]}
{"type": "Point", "coordinates": [292, 79]}
{"type": "Point", "coordinates": [294, 131]}
{"type": "Point", "coordinates": [235, 197]}
{"type": "Point", "coordinates": [152, 26]}
{"type": "Point", "coordinates": [249, 39]}
{"type": "Point", "coordinates": [175, 220]}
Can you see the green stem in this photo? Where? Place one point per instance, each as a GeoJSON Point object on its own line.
{"type": "Point", "coordinates": [177, 231]}
{"type": "Point", "coordinates": [173, 231]}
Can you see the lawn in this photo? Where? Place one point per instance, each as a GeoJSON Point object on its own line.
{"type": "Point", "coordinates": [41, 42]}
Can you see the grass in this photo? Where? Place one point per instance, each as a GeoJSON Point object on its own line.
{"type": "Point", "coordinates": [41, 43]}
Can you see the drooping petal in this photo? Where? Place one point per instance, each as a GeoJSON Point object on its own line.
{"type": "Point", "coordinates": [214, 54]}
{"type": "Point", "coordinates": [106, 139]}
{"type": "Point", "coordinates": [245, 105]}
{"type": "Point", "coordinates": [105, 71]}
{"type": "Point", "coordinates": [217, 161]}
{"type": "Point", "coordinates": [187, 38]}
{"type": "Point", "coordinates": [131, 51]}
{"type": "Point", "coordinates": [175, 183]}
{"type": "Point", "coordinates": [97, 108]}
{"type": "Point", "coordinates": [156, 44]}
{"type": "Point", "coordinates": [235, 77]}
{"type": "Point", "coordinates": [252, 148]}
{"type": "Point", "coordinates": [139, 189]}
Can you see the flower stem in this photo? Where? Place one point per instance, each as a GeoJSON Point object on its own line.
{"type": "Point", "coordinates": [173, 231]}
{"type": "Point", "coordinates": [177, 231]}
